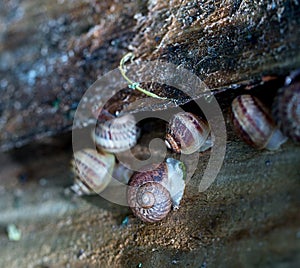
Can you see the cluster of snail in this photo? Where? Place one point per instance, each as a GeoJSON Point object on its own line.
{"type": "Point", "coordinates": [264, 129]}
{"type": "Point", "coordinates": [155, 189]}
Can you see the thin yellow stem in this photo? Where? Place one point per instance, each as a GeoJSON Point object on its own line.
{"type": "Point", "coordinates": [132, 84]}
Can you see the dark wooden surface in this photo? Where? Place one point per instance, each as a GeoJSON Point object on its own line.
{"type": "Point", "coordinates": [51, 52]}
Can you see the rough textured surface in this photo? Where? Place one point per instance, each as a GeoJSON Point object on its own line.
{"type": "Point", "coordinates": [248, 217]}
{"type": "Point", "coordinates": [51, 52]}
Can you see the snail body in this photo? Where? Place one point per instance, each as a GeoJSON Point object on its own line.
{"type": "Point", "coordinates": [153, 190]}
{"type": "Point", "coordinates": [286, 107]}
{"type": "Point", "coordinates": [187, 133]}
{"type": "Point", "coordinates": [122, 173]}
{"type": "Point", "coordinates": [254, 124]}
{"type": "Point", "coordinates": [116, 134]}
{"type": "Point", "coordinates": [92, 171]}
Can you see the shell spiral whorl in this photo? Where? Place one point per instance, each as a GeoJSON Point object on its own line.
{"type": "Point", "coordinates": [151, 201]}
{"type": "Point", "coordinates": [155, 189]}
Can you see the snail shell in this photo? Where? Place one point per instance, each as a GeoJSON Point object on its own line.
{"type": "Point", "coordinates": [286, 107]}
{"type": "Point", "coordinates": [155, 189]}
{"type": "Point", "coordinates": [187, 133]}
{"type": "Point", "coordinates": [254, 124]}
{"type": "Point", "coordinates": [116, 134]}
{"type": "Point", "coordinates": [92, 171]}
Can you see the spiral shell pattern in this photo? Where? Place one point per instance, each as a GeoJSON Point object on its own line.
{"type": "Point", "coordinates": [150, 202]}
{"type": "Point", "coordinates": [153, 190]}
{"type": "Point", "coordinates": [92, 171]}
{"type": "Point", "coordinates": [186, 133]}
{"type": "Point", "coordinates": [116, 135]}
{"type": "Point", "coordinates": [286, 110]}
{"type": "Point", "coordinates": [254, 124]}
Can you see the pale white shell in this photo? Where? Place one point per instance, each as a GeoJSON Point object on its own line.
{"type": "Point", "coordinates": [116, 135]}
{"type": "Point", "coordinates": [92, 171]}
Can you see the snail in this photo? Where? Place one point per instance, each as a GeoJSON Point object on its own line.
{"type": "Point", "coordinates": [116, 134]}
{"type": "Point", "coordinates": [153, 190]}
{"type": "Point", "coordinates": [286, 107]}
{"type": "Point", "coordinates": [92, 171]}
{"type": "Point", "coordinates": [187, 133]}
{"type": "Point", "coordinates": [254, 124]}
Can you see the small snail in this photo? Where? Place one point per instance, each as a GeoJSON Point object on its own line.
{"type": "Point", "coordinates": [254, 124]}
{"type": "Point", "coordinates": [187, 133]}
{"type": "Point", "coordinates": [116, 134]}
{"type": "Point", "coordinates": [286, 107]}
{"type": "Point", "coordinates": [92, 171]}
{"type": "Point", "coordinates": [155, 189]}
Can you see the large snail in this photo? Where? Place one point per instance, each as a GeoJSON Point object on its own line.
{"type": "Point", "coordinates": [286, 107]}
{"type": "Point", "coordinates": [92, 171]}
{"type": "Point", "coordinates": [115, 134]}
{"type": "Point", "coordinates": [187, 133]}
{"type": "Point", "coordinates": [254, 124]}
{"type": "Point", "coordinates": [155, 189]}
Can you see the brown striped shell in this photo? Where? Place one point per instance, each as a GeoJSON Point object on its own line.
{"type": "Point", "coordinates": [155, 189]}
{"type": "Point", "coordinates": [116, 134]}
{"type": "Point", "coordinates": [286, 107]}
{"type": "Point", "coordinates": [92, 171]}
{"type": "Point", "coordinates": [187, 133]}
{"type": "Point", "coordinates": [254, 124]}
